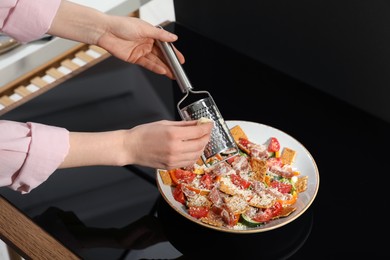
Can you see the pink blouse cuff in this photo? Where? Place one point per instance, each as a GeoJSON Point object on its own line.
{"type": "Point", "coordinates": [48, 148]}
{"type": "Point", "coordinates": [26, 30]}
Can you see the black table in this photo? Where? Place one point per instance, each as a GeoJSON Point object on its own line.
{"type": "Point", "coordinates": [347, 218]}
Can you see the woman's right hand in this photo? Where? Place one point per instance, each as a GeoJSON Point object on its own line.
{"type": "Point", "coordinates": [163, 144]}
{"type": "Point", "coordinates": [166, 144]}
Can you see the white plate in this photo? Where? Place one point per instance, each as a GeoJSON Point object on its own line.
{"type": "Point", "coordinates": [304, 162]}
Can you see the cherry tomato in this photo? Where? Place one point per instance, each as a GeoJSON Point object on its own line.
{"type": "Point", "coordinates": [281, 186]}
{"type": "Point", "coordinates": [244, 142]}
{"type": "Point", "coordinates": [269, 213]}
{"type": "Point", "coordinates": [178, 195]}
{"type": "Point", "coordinates": [240, 182]}
{"type": "Point", "coordinates": [198, 211]}
{"type": "Point", "coordinates": [182, 176]}
{"type": "Point", "coordinates": [273, 145]}
{"type": "Point", "coordinates": [207, 181]}
{"type": "Point", "coordinates": [263, 216]}
{"type": "Point", "coordinates": [276, 209]}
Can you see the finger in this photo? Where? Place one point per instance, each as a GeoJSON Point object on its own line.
{"type": "Point", "coordinates": [161, 60]}
{"type": "Point", "coordinates": [154, 65]}
{"type": "Point", "coordinates": [162, 35]}
{"type": "Point", "coordinates": [194, 133]}
{"type": "Point", "coordinates": [179, 123]}
{"type": "Point", "coordinates": [160, 53]}
{"type": "Point", "coordinates": [192, 150]}
{"type": "Point", "coordinates": [179, 55]}
{"type": "Point", "coordinates": [182, 163]}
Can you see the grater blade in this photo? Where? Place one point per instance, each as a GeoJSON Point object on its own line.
{"type": "Point", "coordinates": [221, 145]}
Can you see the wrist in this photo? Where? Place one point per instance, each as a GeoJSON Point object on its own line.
{"type": "Point", "coordinates": [78, 23]}
{"type": "Point", "coordinates": [124, 149]}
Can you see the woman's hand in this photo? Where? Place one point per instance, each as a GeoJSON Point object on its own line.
{"type": "Point", "coordinates": [162, 144]}
{"type": "Point", "coordinates": [127, 38]}
{"type": "Point", "coordinates": [134, 40]}
{"type": "Point", "coordinates": [167, 144]}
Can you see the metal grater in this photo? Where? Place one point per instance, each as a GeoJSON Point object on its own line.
{"type": "Point", "coordinates": [221, 145]}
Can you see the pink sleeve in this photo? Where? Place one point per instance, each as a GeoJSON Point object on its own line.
{"type": "Point", "coordinates": [30, 153]}
{"type": "Point", "coordinates": [27, 20]}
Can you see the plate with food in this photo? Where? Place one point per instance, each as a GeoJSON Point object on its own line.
{"type": "Point", "coordinates": [271, 182]}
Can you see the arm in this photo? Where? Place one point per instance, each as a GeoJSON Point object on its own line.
{"type": "Point", "coordinates": [13, 14]}
{"type": "Point", "coordinates": [162, 144]}
{"type": "Point", "coordinates": [27, 157]}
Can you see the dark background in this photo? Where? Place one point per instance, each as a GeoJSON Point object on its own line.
{"type": "Point", "coordinates": [339, 47]}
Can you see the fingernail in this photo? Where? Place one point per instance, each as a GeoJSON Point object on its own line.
{"type": "Point", "coordinates": [173, 36]}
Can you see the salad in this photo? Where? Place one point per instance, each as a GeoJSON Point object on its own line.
{"type": "Point", "coordinates": [250, 189]}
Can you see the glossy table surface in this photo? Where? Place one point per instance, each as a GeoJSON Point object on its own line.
{"type": "Point", "coordinates": [347, 218]}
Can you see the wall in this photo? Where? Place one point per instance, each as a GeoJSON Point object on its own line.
{"type": "Point", "coordinates": [340, 47]}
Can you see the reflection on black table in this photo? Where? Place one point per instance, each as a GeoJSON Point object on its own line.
{"type": "Point", "coordinates": [192, 240]}
{"type": "Point", "coordinates": [196, 241]}
{"type": "Point", "coordinates": [73, 233]}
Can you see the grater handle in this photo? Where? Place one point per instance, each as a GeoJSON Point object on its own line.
{"type": "Point", "coordinates": [173, 61]}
